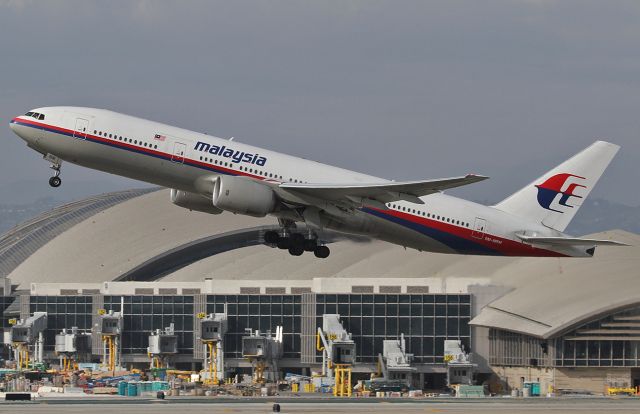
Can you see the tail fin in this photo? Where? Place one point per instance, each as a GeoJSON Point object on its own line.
{"type": "Point", "coordinates": [554, 198]}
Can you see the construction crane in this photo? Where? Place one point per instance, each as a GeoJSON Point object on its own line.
{"type": "Point", "coordinates": [338, 353]}
{"type": "Point", "coordinates": [263, 350]}
{"type": "Point", "coordinates": [25, 333]}
{"type": "Point", "coordinates": [70, 345]}
{"type": "Point", "coordinates": [212, 330]}
{"type": "Point", "coordinates": [109, 328]}
{"type": "Point", "coordinates": [163, 344]}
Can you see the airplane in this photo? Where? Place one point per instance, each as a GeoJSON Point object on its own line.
{"type": "Point", "coordinates": [214, 175]}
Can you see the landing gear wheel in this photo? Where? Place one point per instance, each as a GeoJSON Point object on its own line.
{"type": "Point", "coordinates": [322, 252]}
{"type": "Point", "coordinates": [271, 237]}
{"type": "Point", "coordinates": [55, 181]}
{"type": "Point", "coordinates": [296, 250]}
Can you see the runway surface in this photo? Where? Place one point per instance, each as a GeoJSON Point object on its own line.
{"type": "Point", "coordinates": [586, 405]}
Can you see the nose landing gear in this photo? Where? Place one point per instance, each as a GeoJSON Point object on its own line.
{"type": "Point", "coordinates": [56, 165]}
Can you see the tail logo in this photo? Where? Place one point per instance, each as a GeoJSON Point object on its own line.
{"type": "Point", "coordinates": [549, 190]}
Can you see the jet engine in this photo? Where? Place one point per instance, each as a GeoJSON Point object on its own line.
{"type": "Point", "coordinates": [243, 196]}
{"type": "Point", "coordinates": [193, 201]}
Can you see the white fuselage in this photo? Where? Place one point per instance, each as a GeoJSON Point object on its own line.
{"type": "Point", "coordinates": [181, 159]}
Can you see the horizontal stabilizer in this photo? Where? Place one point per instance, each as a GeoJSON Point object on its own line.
{"type": "Point", "coordinates": [569, 241]}
{"type": "Point", "coordinates": [384, 192]}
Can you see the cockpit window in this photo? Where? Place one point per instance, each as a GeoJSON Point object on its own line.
{"type": "Point", "coordinates": [35, 115]}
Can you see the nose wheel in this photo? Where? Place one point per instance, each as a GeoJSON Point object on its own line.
{"type": "Point", "coordinates": [55, 181]}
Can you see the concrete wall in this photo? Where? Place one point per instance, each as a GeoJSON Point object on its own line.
{"type": "Point", "coordinates": [482, 295]}
{"type": "Point", "coordinates": [316, 285]}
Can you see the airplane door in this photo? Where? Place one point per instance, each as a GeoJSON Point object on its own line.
{"type": "Point", "coordinates": [479, 228]}
{"type": "Point", "coordinates": [179, 150]}
{"type": "Point", "coordinates": [80, 131]}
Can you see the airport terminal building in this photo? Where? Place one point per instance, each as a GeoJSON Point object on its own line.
{"type": "Point", "coordinates": [570, 324]}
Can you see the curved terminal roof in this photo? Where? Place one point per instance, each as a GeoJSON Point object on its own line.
{"type": "Point", "coordinates": [121, 237]}
{"type": "Point", "coordinates": [141, 235]}
{"type": "Point", "coordinates": [554, 295]}
{"type": "Point", "coordinates": [22, 241]}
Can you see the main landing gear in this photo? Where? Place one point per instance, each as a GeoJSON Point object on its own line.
{"type": "Point", "coordinates": [296, 243]}
{"type": "Point", "coordinates": [56, 165]}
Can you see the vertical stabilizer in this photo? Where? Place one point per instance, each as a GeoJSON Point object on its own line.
{"type": "Point", "coordinates": [554, 198]}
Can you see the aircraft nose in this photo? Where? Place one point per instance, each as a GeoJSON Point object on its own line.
{"type": "Point", "coordinates": [13, 124]}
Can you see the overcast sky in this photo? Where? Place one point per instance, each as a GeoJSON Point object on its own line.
{"type": "Point", "coordinates": [397, 89]}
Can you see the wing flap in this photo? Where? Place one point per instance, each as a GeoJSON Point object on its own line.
{"type": "Point", "coordinates": [383, 192]}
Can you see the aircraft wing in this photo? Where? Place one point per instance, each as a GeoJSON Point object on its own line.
{"type": "Point", "coordinates": [569, 241]}
{"type": "Point", "coordinates": [381, 192]}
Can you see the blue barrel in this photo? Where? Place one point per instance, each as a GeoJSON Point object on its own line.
{"type": "Point", "coordinates": [122, 388]}
{"type": "Point", "coordinates": [132, 389]}
{"type": "Point", "coordinates": [160, 386]}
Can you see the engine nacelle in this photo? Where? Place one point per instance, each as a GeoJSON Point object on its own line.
{"type": "Point", "coordinates": [193, 201]}
{"type": "Point", "coordinates": [243, 196]}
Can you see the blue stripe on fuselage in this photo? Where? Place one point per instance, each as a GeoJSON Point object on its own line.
{"type": "Point", "coordinates": [457, 243]}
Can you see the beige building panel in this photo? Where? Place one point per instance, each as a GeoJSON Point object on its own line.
{"type": "Point", "coordinates": [594, 380]}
